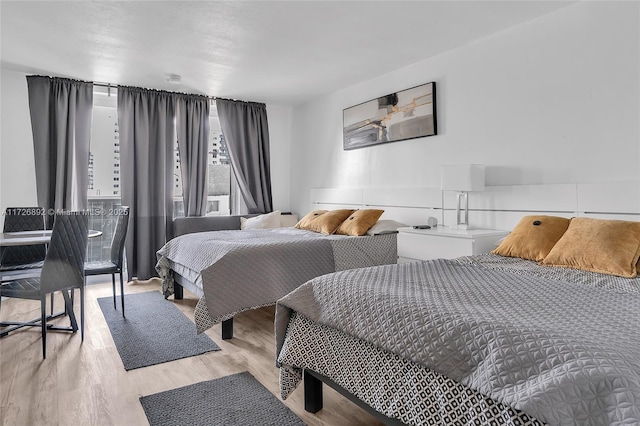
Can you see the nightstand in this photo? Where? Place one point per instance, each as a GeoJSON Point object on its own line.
{"type": "Point", "coordinates": [445, 243]}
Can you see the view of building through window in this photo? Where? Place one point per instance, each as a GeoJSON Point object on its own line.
{"type": "Point", "coordinates": [218, 169]}
{"type": "Point", "coordinates": [104, 156]}
{"type": "Point", "coordinates": [104, 170]}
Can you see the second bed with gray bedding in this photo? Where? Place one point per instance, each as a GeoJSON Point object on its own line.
{"type": "Point", "coordinates": [238, 270]}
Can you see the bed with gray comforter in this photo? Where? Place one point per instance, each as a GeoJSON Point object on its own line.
{"type": "Point", "coordinates": [238, 270]}
{"type": "Point", "coordinates": [477, 340]}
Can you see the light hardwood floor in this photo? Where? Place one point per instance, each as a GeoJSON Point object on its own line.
{"type": "Point", "coordinates": [84, 383]}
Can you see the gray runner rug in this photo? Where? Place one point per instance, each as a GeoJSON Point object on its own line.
{"type": "Point", "coordinates": [238, 399]}
{"type": "Point", "coordinates": [154, 331]}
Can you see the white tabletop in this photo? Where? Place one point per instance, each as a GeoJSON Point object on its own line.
{"type": "Point", "coordinates": [26, 238]}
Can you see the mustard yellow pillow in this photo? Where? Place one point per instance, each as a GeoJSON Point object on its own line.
{"type": "Point", "coordinates": [359, 222]}
{"type": "Point", "coordinates": [597, 245]}
{"type": "Point", "coordinates": [306, 220]}
{"type": "Point", "coordinates": [326, 222]}
{"type": "Point", "coordinates": [533, 237]}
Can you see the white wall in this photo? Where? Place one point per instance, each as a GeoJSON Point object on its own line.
{"type": "Point", "coordinates": [17, 168]}
{"type": "Point", "coordinates": [280, 152]}
{"type": "Point", "coordinates": [554, 100]}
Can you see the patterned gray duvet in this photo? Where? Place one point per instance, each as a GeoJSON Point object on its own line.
{"type": "Point", "coordinates": [241, 270]}
{"type": "Point", "coordinates": [478, 339]}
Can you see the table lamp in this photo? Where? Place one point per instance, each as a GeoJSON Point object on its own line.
{"type": "Point", "coordinates": [462, 178]}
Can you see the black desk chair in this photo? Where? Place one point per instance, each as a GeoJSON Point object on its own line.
{"type": "Point", "coordinates": [22, 261]}
{"type": "Point", "coordinates": [63, 269]}
{"type": "Point", "coordinates": [115, 264]}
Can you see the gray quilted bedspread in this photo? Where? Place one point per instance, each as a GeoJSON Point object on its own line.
{"type": "Point", "coordinates": [563, 352]}
{"type": "Point", "coordinates": [247, 269]}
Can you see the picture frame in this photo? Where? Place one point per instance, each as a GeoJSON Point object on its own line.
{"type": "Point", "coordinates": [407, 114]}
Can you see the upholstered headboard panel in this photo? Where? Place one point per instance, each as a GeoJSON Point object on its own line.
{"type": "Point", "coordinates": [189, 225]}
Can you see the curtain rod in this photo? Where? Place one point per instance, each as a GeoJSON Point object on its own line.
{"type": "Point", "coordinates": [115, 86]}
{"type": "Point", "coordinates": [212, 98]}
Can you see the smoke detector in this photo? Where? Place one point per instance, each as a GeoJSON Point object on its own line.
{"type": "Point", "coordinates": [173, 78]}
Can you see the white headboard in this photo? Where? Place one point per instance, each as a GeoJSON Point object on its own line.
{"type": "Point", "coordinates": [408, 205]}
{"type": "Point", "coordinates": [498, 207]}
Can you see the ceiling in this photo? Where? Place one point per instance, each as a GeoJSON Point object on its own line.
{"type": "Point", "coordinates": [279, 52]}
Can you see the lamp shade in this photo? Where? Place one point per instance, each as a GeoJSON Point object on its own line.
{"type": "Point", "coordinates": [463, 177]}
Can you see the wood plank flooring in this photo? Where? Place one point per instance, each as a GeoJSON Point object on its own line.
{"type": "Point", "coordinates": [84, 383]}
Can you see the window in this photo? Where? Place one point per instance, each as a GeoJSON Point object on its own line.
{"type": "Point", "coordinates": [218, 169]}
{"type": "Point", "coordinates": [104, 170]}
{"type": "Point", "coordinates": [104, 157]}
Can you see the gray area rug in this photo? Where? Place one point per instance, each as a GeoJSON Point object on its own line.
{"type": "Point", "coordinates": [238, 399]}
{"type": "Point", "coordinates": [154, 331]}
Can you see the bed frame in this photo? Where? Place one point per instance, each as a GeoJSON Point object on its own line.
{"type": "Point", "coordinates": [313, 397]}
{"type": "Point", "coordinates": [498, 207]}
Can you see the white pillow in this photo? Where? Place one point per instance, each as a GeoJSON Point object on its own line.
{"type": "Point", "coordinates": [264, 221]}
{"type": "Point", "coordinates": [385, 226]}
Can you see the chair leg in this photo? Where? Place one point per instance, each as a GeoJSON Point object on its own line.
{"type": "Point", "coordinates": [113, 285]}
{"type": "Point", "coordinates": [51, 296]}
{"type": "Point", "coordinates": [122, 293]}
{"type": "Point", "coordinates": [82, 313]}
{"type": "Point", "coordinates": [68, 307]}
{"type": "Point", "coordinates": [73, 294]}
{"type": "Point", "coordinates": [43, 319]}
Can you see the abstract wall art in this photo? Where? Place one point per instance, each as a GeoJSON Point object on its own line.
{"type": "Point", "coordinates": [407, 114]}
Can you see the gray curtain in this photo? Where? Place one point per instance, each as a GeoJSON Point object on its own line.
{"type": "Point", "coordinates": [147, 137]}
{"type": "Point", "coordinates": [61, 112]}
{"type": "Point", "coordinates": [192, 123]}
{"type": "Point", "coordinates": [246, 131]}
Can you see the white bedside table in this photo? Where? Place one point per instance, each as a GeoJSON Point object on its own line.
{"type": "Point", "coordinates": [444, 243]}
